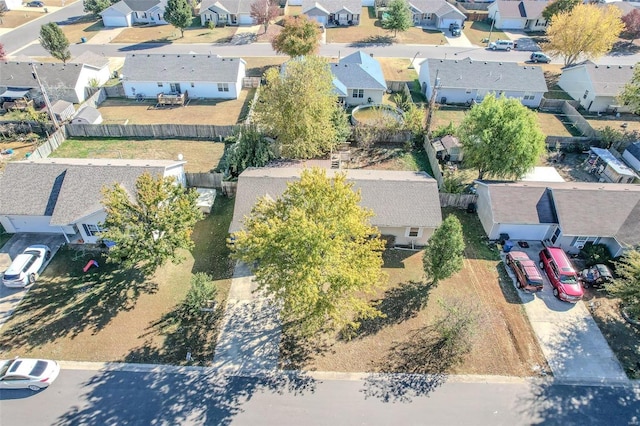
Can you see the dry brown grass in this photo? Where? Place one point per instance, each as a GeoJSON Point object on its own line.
{"type": "Point", "coordinates": [256, 66]}
{"type": "Point", "coordinates": [478, 30]}
{"type": "Point", "coordinates": [217, 112]}
{"type": "Point", "coordinates": [397, 69]}
{"type": "Point", "coordinates": [632, 123]}
{"type": "Point", "coordinates": [87, 27]}
{"type": "Point", "coordinates": [15, 18]}
{"type": "Point", "coordinates": [551, 125]}
{"type": "Point", "coordinates": [170, 34]}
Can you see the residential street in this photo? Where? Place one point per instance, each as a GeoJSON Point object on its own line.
{"type": "Point", "coordinates": [200, 397]}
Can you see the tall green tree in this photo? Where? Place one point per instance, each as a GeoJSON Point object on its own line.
{"type": "Point", "coordinates": [314, 250]}
{"type": "Point", "coordinates": [297, 106]}
{"type": "Point", "coordinates": [502, 137]}
{"type": "Point", "coordinates": [179, 14]}
{"type": "Point", "coordinates": [398, 17]}
{"type": "Point", "coordinates": [586, 31]}
{"type": "Point", "coordinates": [96, 6]}
{"type": "Point", "coordinates": [249, 148]}
{"type": "Point", "coordinates": [630, 94]}
{"type": "Point", "coordinates": [627, 285]}
{"type": "Point", "coordinates": [150, 226]}
{"type": "Point", "coordinates": [558, 6]}
{"type": "Point", "coordinates": [55, 42]}
{"type": "Point", "coordinates": [443, 256]}
{"type": "Point", "coordinates": [264, 11]}
{"type": "Point", "coordinates": [299, 37]}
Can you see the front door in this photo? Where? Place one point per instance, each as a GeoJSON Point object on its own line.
{"type": "Point", "coordinates": [175, 88]}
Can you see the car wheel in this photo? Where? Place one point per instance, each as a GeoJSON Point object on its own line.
{"type": "Point", "coordinates": [47, 256]}
{"type": "Point", "coordinates": [508, 49]}
{"type": "Point", "coordinates": [34, 388]}
{"type": "Point", "coordinates": [555, 293]}
{"type": "Point", "coordinates": [32, 278]}
{"type": "Point", "coordinates": [493, 48]}
{"type": "Point", "coordinates": [541, 264]}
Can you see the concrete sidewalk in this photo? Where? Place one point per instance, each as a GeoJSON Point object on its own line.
{"type": "Point", "coordinates": [249, 338]}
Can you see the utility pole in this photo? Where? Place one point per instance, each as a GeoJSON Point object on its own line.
{"type": "Point", "coordinates": [493, 20]}
{"type": "Point", "coordinates": [45, 96]}
{"type": "Point", "coordinates": [414, 58]}
{"type": "Point", "coordinates": [432, 103]}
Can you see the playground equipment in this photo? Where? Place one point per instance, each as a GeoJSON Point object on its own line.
{"type": "Point", "coordinates": [88, 266]}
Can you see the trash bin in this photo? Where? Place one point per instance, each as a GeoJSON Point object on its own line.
{"type": "Point", "coordinates": [83, 39]}
{"type": "Point", "coordinates": [508, 245]}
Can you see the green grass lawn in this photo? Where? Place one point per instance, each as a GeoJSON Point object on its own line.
{"type": "Point", "coordinates": [116, 314]}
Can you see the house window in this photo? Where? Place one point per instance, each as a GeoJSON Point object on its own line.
{"type": "Point", "coordinates": [586, 93]}
{"type": "Point", "coordinates": [92, 230]}
{"type": "Point", "coordinates": [358, 93]}
{"type": "Point", "coordinates": [413, 232]}
{"type": "Point", "coordinates": [555, 236]}
{"type": "Point", "coordinates": [223, 87]}
{"type": "Point", "coordinates": [581, 241]}
{"type": "Point", "coordinates": [528, 97]}
{"type": "Point", "coordinates": [427, 16]}
{"type": "Point", "coordinates": [159, 84]}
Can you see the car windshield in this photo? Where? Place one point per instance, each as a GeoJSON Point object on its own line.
{"type": "Point", "coordinates": [32, 252]}
{"type": "Point", "coordinates": [4, 367]}
{"type": "Point", "coordinates": [568, 279]}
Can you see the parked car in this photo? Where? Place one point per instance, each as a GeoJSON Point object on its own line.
{"type": "Point", "coordinates": [502, 45]}
{"type": "Point", "coordinates": [525, 270]}
{"type": "Point", "coordinates": [35, 4]}
{"type": "Point", "coordinates": [562, 274]}
{"type": "Point", "coordinates": [455, 30]}
{"type": "Point", "coordinates": [596, 275]}
{"type": "Point", "coordinates": [26, 266]}
{"type": "Point", "coordinates": [540, 57]}
{"type": "Point", "coordinates": [25, 373]}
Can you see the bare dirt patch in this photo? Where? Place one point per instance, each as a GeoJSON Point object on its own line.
{"type": "Point", "coordinates": [570, 167]}
{"type": "Point", "coordinates": [20, 150]}
{"type": "Point", "coordinates": [218, 112]}
{"type": "Point", "coordinates": [504, 345]}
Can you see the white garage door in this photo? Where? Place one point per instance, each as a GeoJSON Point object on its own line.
{"type": "Point", "coordinates": [511, 24]}
{"type": "Point", "coordinates": [294, 2]}
{"type": "Point", "coordinates": [368, 3]}
{"type": "Point", "coordinates": [115, 21]}
{"type": "Point", "coordinates": [525, 232]}
{"type": "Point", "coordinates": [33, 224]}
{"type": "Point", "coordinates": [446, 22]}
{"type": "Point", "coordinates": [246, 20]}
{"type": "Point", "coordinates": [320, 19]}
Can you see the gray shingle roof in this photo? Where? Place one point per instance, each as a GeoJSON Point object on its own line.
{"type": "Point", "coordinates": [60, 106]}
{"type": "Point", "coordinates": [634, 149]}
{"type": "Point", "coordinates": [88, 113]}
{"type": "Point", "coordinates": [491, 76]}
{"type": "Point", "coordinates": [439, 7]}
{"type": "Point", "coordinates": [141, 5]}
{"type": "Point", "coordinates": [607, 80]}
{"type": "Point", "coordinates": [397, 198]}
{"type": "Point", "coordinates": [333, 6]}
{"type": "Point", "coordinates": [53, 74]}
{"type": "Point", "coordinates": [232, 6]}
{"type": "Point", "coordinates": [359, 71]}
{"type": "Point", "coordinates": [521, 204]}
{"type": "Point", "coordinates": [181, 67]}
{"type": "Point", "coordinates": [68, 189]}
{"type": "Point", "coordinates": [91, 59]}
{"type": "Point", "coordinates": [530, 9]}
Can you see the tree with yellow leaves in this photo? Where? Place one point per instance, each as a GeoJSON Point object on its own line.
{"type": "Point", "coordinates": [587, 30]}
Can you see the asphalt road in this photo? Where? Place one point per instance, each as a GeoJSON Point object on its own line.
{"type": "Point", "coordinates": [142, 398]}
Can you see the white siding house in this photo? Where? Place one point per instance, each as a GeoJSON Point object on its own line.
{"type": "Point", "coordinates": [358, 79]}
{"type": "Point", "coordinates": [518, 15]}
{"type": "Point", "coordinates": [202, 76]}
{"type": "Point", "coordinates": [227, 12]}
{"type": "Point", "coordinates": [631, 156]}
{"type": "Point", "coordinates": [125, 13]}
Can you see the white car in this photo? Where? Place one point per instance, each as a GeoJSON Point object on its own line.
{"type": "Point", "coordinates": [25, 373]}
{"type": "Point", "coordinates": [26, 266]}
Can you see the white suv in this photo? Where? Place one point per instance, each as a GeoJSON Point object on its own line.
{"type": "Point", "coordinates": [26, 266]}
{"type": "Point", "coordinates": [501, 45]}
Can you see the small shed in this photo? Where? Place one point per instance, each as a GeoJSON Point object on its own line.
{"type": "Point", "coordinates": [631, 156]}
{"type": "Point", "coordinates": [63, 110]}
{"type": "Point", "coordinates": [87, 115]}
{"type": "Point", "coordinates": [206, 198]}
{"type": "Point", "coordinates": [448, 148]}
{"type": "Point", "coordinates": [602, 163]}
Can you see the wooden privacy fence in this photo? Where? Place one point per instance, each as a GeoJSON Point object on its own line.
{"type": "Point", "coordinates": [116, 91]}
{"type": "Point", "coordinates": [460, 201]}
{"type": "Point", "coordinates": [98, 96]}
{"type": "Point", "coordinates": [578, 121]}
{"type": "Point", "coordinates": [555, 105]}
{"type": "Point", "coordinates": [53, 142]}
{"type": "Point", "coordinates": [211, 180]}
{"type": "Point", "coordinates": [156, 131]}
{"type": "Point", "coordinates": [250, 82]}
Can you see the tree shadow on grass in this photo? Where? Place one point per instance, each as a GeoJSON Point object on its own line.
{"type": "Point", "coordinates": [375, 40]}
{"type": "Point", "coordinates": [398, 305]}
{"type": "Point", "coordinates": [297, 350]}
{"type": "Point", "coordinates": [74, 303]}
{"type": "Point", "coordinates": [624, 48]}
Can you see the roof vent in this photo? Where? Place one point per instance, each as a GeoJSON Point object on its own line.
{"type": "Point", "coordinates": [596, 66]}
{"type": "Point", "coordinates": [608, 66]}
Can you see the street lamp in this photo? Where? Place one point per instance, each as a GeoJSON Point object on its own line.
{"type": "Point", "coordinates": [414, 58]}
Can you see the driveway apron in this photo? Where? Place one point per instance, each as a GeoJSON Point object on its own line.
{"type": "Point", "coordinates": [570, 339]}
{"type": "Point", "coordinates": [249, 338]}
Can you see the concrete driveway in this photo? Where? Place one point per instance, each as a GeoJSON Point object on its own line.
{"type": "Point", "coordinates": [525, 42]}
{"type": "Point", "coordinates": [570, 339]}
{"type": "Point", "coordinates": [10, 298]}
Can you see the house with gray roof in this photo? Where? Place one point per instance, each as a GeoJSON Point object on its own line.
{"type": "Point", "coordinates": [358, 79]}
{"type": "Point", "coordinates": [66, 82]}
{"type": "Point", "coordinates": [406, 205]}
{"type": "Point", "coordinates": [87, 115]}
{"type": "Point", "coordinates": [63, 195]}
{"type": "Point", "coordinates": [202, 76]}
{"type": "Point", "coordinates": [465, 81]}
{"type": "Point", "coordinates": [125, 13]}
{"type": "Point", "coordinates": [518, 15]}
{"type": "Point", "coordinates": [596, 87]}
{"type": "Point", "coordinates": [435, 14]}
{"type": "Point", "coordinates": [226, 12]}
{"type": "Point", "coordinates": [333, 12]}
{"type": "Point", "coordinates": [631, 156]}
{"type": "Point", "coordinates": [564, 214]}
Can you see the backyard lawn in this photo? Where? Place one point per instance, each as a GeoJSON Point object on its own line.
{"type": "Point", "coordinates": [211, 111]}
{"type": "Point", "coordinates": [504, 343]}
{"type": "Point", "coordinates": [201, 156]}
{"type": "Point", "coordinates": [370, 31]}
{"type": "Point", "coordinates": [111, 314]}
{"type": "Point", "coordinates": [630, 124]}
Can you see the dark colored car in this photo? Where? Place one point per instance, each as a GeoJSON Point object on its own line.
{"type": "Point", "coordinates": [596, 275]}
{"type": "Point", "coordinates": [540, 57]}
{"type": "Point", "coordinates": [35, 4]}
{"type": "Point", "coordinates": [525, 270]}
{"type": "Point", "coordinates": [562, 275]}
{"type": "Point", "coordinates": [455, 30]}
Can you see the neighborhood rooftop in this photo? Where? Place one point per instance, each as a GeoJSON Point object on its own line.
{"type": "Point", "coordinates": [20, 74]}
{"type": "Point", "coordinates": [397, 198]}
{"type": "Point", "coordinates": [359, 70]}
{"type": "Point", "coordinates": [231, 6]}
{"type": "Point", "coordinates": [180, 67]}
{"type": "Point", "coordinates": [494, 76]}
{"type": "Point", "coordinates": [333, 6]}
{"type": "Point", "coordinates": [607, 80]}
{"type": "Point", "coordinates": [521, 9]}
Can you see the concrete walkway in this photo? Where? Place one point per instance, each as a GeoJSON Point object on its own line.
{"type": "Point", "coordinates": [570, 339]}
{"type": "Point", "coordinates": [106, 35]}
{"type": "Point", "coordinates": [249, 338]}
